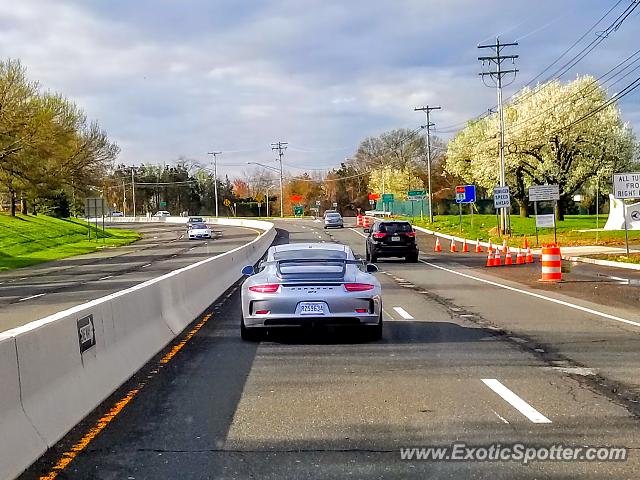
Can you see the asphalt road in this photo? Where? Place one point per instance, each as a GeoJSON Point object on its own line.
{"type": "Point", "coordinates": [31, 293]}
{"type": "Point", "coordinates": [467, 356]}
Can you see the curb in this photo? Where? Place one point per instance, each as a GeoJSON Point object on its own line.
{"type": "Point", "coordinates": [593, 261]}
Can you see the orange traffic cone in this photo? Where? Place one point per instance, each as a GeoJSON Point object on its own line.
{"type": "Point", "coordinates": [490, 258]}
{"type": "Point", "coordinates": [453, 248]}
{"type": "Point", "coordinates": [519, 258]}
{"type": "Point", "coordinates": [505, 247]}
{"type": "Point", "coordinates": [465, 247]}
{"type": "Point", "coordinates": [497, 259]}
{"type": "Point", "coordinates": [529, 257]}
{"type": "Point", "coordinates": [478, 246]}
{"type": "Point", "coordinates": [437, 248]}
{"type": "Point", "coordinates": [490, 245]}
{"type": "Point", "coordinates": [525, 244]}
{"type": "Point", "coordinates": [508, 259]}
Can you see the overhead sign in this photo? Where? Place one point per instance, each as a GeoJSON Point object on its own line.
{"type": "Point", "coordinates": [626, 185]}
{"type": "Point", "coordinates": [374, 196]}
{"type": "Point", "coordinates": [163, 203]}
{"type": "Point", "coordinates": [86, 333]}
{"type": "Point", "coordinates": [296, 198]}
{"type": "Point", "coordinates": [545, 221]}
{"type": "Point", "coordinates": [501, 197]}
{"type": "Point", "coordinates": [416, 195]}
{"type": "Point", "coordinates": [387, 197]}
{"type": "Point", "coordinates": [541, 193]}
{"type": "Point", "coordinates": [465, 193]}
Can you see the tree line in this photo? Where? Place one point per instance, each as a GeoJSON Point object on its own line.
{"type": "Point", "coordinates": [51, 154]}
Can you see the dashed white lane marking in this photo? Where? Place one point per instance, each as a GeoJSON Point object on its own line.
{"type": "Point", "coordinates": [515, 401]}
{"type": "Point", "coordinates": [403, 313]}
{"type": "Point", "coordinates": [32, 296]}
{"type": "Point", "coordinates": [104, 278]}
{"type": "Point", "coordinates": [145, 266]}
{"type": "Point", "coordinates": [504, 420]}
{"type": "Point", "coordinates": [537, 295]}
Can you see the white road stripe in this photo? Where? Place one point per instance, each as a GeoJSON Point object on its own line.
{"type": "Point", "coordinates": [32, 296]}
{"type": "Point", "coordinates": [104, 278]}
{"type": "Point", "coordinates": [403, 313]}
{"type": "Point", "coordinates": [537, 295]}
{"type": "Point", "coordinates": [145, 266]}
{"type": "Point", "coordinates": [359, 233]}
{"type": "Point", "coordinates": [515, 401]}
{"type": "Point", "coordinates": [504, 420]}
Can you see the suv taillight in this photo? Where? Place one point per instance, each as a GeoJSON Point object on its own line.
{"type": "Point", "coordinates": [379, 235]}
{"type": "Point", "coordinates": [410, 234]}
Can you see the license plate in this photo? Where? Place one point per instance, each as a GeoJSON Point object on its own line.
{"type": "Point", "coordinates": [310, 308]}
{"type": "Point", "coordinates": [395, 239]}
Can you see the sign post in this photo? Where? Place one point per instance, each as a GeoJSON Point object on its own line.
{"type": "Point", "coordinates": [416, 196]}
{"type": "Point", "coordinates": [501, 199]}
{"type": "Point", "coordinates": [626, 186]}
{"type": "Point", "coordinates": [543, 193]}
{"type": "Point", "coordinates": [465, 194]}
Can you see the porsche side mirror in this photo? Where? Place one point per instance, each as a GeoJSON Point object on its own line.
{"type": "Point", "coordinates": [372, 268]}
{"type": "Point", "coordinates": [248, 270]}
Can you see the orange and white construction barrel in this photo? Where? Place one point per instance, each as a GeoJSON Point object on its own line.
{"type": "Point", "coordinates": [551, 264]}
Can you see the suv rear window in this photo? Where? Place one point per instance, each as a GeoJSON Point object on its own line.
{"type": "Point", "coordinates": [394, 227]}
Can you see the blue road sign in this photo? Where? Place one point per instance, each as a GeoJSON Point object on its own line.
{"type": "Point", "coordinates": [465, 194]}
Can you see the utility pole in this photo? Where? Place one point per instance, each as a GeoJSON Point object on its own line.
{"type": "Point", "coordinates": [427, 110]}
{"type": "Point", "coordinates": [280, 147]}
{"type": "Point", "coordinates": [496, 75]}
{"type": "Point", "coordinates": [215, 177]}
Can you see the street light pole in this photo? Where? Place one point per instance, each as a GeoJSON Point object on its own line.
{"type": "Point", "coordinates": [215, 177]}
{"type": "Point", "coordinates": [133, 189]}
{"type": "Point", "coordinates": [268, 188]}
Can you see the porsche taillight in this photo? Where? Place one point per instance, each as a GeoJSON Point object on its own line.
{"type": "Point", "coordinates": [358, 287]}
{"type": "Point", "coordinates": [267, 288]}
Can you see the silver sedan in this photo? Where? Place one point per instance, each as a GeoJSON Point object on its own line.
{"type": "Point", "coordinates": [310, 284]}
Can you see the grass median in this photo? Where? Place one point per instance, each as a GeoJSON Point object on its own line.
{"type": "Point", "coordinates": [569, 230]}
{"type": "Point", "coordinates": [28, 240]}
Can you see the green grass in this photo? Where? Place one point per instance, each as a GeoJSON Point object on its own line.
{"type": "Point", "coordinates": [484, 227]}
{"type": "Point", "coordinates": [632, 258]}
{"type": "Point", "coordinates": [27, 240]}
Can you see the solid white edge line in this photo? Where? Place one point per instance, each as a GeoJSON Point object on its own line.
{"type": "Point", "coordinates": [359, 233]}
{"type": "Point", "coordinates": [537, 295]}
{"type": "Point", "coordinates": [403, 313]}
{"type": "Point", "coordinates": [515, 401]}
{"type": "Point", "coordinates": [32, 296]}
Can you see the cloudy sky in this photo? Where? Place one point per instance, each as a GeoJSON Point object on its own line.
{"type": "Point", "coordinates": [168, 78]}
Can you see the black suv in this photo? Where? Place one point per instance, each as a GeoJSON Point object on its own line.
{"type": "Point", "coordinates": [391, 238]}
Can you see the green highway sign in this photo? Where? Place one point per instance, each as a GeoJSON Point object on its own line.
{"type": "Point", "coordinates": [416, 195]}
{"type": "Point", "coordinates": [163, 203]}
{"type": "Point", "coordinates": [387, 197]}
{"type": "Point", "coordinates": [298, 210]}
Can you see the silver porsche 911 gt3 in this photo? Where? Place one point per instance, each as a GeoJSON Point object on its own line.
{"type": "Point", "coordinates": [310, 284]}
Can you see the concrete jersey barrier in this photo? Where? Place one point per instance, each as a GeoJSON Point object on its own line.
{"type": "Point", "coordinates": [56, 370]}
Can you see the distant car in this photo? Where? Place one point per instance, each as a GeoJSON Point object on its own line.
{"type": "Point", "coordinates": [199, 230]}
{"type": "Point", "coordinates": [328, 212]}
{"type": "Point", "coordinates": [161, 213]}
{"type": "Point", "coordinates": [305, 284]}
{"type": "Point", "coordinates": [117, 214]}
{"type": "Point", "coordinates": [333, 219]}
{"type": "Point", "coordinates": [391, 238]}
{"type": "Point", "coordinates": [194, 221]}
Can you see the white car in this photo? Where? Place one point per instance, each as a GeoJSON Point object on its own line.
{"type": "Point", "coordinates": [199, 230]}
{"type": "Point", "coordinates": [161, 213]}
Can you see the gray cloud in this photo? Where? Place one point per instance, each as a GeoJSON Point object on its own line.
{"type": "Point", "coordinates": [170, 78]}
